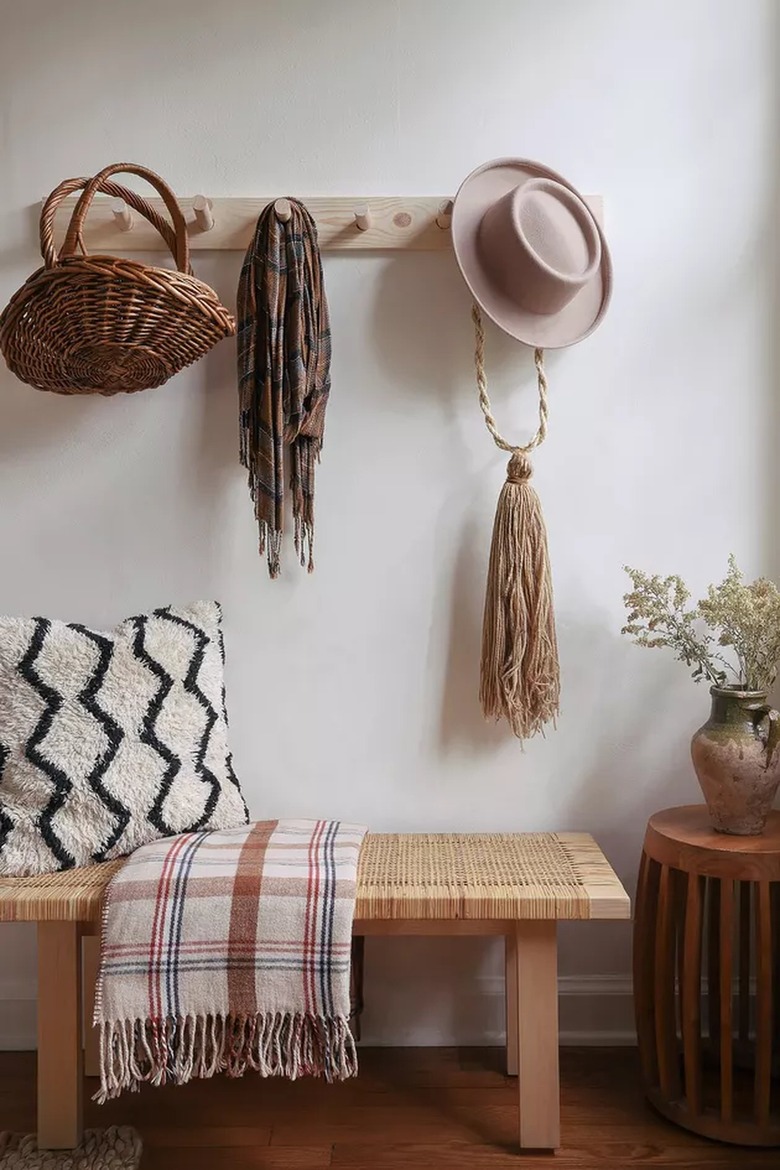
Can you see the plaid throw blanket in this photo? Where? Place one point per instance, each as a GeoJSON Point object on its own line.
{"type": "Point", "coordinates": [283, 374]}
{"type": "Point", "coordinates": [227, 951]}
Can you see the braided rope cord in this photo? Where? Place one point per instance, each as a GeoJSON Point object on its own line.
{"type": "Point", "coordinates": [484, 400]}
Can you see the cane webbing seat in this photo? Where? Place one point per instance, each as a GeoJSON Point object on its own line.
{"type": "Point", "coordinates": [401, 876]}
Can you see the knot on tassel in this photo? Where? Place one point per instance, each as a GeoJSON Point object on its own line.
{"type": "Point", "coordinates": [519, 469]}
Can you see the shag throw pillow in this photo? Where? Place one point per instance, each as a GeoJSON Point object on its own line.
{"type": "Point", "coordinates": [111, 740]}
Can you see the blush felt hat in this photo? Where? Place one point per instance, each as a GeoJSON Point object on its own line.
{"type": "Point", "coordinates": [531, 252]}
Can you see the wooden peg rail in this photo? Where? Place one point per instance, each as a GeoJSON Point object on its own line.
{"type": "Point", "coordinates": [378, 223]}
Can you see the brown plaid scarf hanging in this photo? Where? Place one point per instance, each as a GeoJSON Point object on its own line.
{"type": "Point", "coordinates": [284, 374]}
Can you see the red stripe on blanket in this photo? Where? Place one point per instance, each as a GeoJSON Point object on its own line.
{"type": "Point", "coordinates": [242, 988]}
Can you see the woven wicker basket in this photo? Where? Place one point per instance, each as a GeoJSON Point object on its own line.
{"type": "Point", "coordinates": [104, 325]}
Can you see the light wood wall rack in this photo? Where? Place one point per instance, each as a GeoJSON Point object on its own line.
{"type": "Point", "coordinates": [377, 223]}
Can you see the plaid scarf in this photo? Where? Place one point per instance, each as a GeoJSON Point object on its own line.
{"type": "Point", "coordinates": [283, 374]}
{"type": "Point", "coordinates": [227, 951]}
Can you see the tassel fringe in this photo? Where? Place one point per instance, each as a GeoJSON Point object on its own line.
{"type": "Point", "coordinates": [174, 1051]}
{"type": "Point", "coordinates": [520, 676]}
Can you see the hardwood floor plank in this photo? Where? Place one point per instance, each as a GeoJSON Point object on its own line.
{"type": "Point", "coordinates": [381, 1125]}
{"type": "Point", "coordinates": [236, 1158]}
{"type": "Point", "coordinates": [409, 1109]}
{"type": "Point", "coordinates": [457, 1156]}
{"type": "Point", "coordinates": [207, 1137]}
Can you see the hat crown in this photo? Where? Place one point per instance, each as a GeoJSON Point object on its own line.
{"type": "Point", "coordinates": [543, 244]}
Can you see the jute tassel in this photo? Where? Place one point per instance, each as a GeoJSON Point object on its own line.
{"type": "Point", "coordinates": [520, 675]}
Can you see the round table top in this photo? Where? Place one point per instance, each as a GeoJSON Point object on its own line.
{"type": "Point", "coordinates": [684, 838]}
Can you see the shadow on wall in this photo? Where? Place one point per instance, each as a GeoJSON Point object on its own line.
{"type": "Point", "coordinates": [612, 715]}
{"type": "Point", "coordinates": [432, 353]}
{"type": "Point", "coordinates": [217, 464]}
{"type": "Point", "coordinates": [424, 337]}
{"type": "Point", "coordinates": [20, 226]}
{"type": "Point", "coordinates": [462, 724]}
{"type": "Point", "coordinates": [772, 309]}
{"type": "Point", "coordinates": [36, 420]}
{"type": "Point", "coordinates": [420, 302]}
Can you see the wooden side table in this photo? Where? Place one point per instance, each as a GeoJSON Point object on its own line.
{"type": "Point", "coordinates": [707, 976]}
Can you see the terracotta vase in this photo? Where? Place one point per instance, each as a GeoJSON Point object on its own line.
{"type": "Point", "coordinates": [737, 761]}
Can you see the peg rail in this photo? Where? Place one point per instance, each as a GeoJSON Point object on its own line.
{"type": "Point", "coordinates": [377, 223]}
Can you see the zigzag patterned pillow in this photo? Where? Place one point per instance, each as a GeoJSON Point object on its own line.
{"type": "Point", "coordinates": [109, 741]}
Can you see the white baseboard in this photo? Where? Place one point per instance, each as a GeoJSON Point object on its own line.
{"type": "Point", "coordinates": [17, 1016]}
{"type": "Point", "coordinates": [594, 1010]}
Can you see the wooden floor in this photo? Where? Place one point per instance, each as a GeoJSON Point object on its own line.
{"type": "Point", "coordinates": [409, 1108]}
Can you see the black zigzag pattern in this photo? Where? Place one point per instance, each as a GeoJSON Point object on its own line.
{"type": "Point", "coordinates": [191, 686]}
{"type": "Point", "coordinates": [54, 701]}
{"type": "Point", "coordinates": [6, 824]}
{"type": "Point", "coordinates": [128, 738]}
{"type": "Point", "coordinates": [114, 734]}
{"type": "Point", "coordinates": [229, 758]}
{"type": "Point", "coordinates": [148, 732]}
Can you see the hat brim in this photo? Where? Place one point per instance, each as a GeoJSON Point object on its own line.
{"type": "Point", "coordinates": [585, 310]}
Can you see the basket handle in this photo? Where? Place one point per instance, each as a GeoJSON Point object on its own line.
{"type": "Point", "coordinates": [175, 237]}
{"type": "Point", "coordinates": [107, 187]}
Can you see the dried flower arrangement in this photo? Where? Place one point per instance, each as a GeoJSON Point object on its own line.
{"type": "Point", "coordinates": [743, 617]}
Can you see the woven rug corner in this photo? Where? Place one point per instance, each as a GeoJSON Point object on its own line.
{"type": "Point", "coordinates": [116, 1148]}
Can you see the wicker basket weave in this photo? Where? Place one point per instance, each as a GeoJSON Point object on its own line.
{"type": "Point", "coordinates": [102, 324]}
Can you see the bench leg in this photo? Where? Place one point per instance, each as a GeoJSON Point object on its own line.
{"type": "Point", "coordinates": [537, 1034]}
{"type": "Point", "coordinates": [91, 944]}
{"type": "Point", "coordinates": [59, 1035]}
{"type": "Point", "coordinates": [510, 983]}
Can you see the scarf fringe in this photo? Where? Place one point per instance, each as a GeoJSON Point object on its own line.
{"type": "Point", "coordinates": [304, 543]}
{"type": "Point", "coordinates": [270, 537]}
{"type": "Point", "coordinates": [174, 1051]}
{"type": "Point", "coordinates": [270, 547]}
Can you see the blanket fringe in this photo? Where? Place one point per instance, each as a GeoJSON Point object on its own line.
{"type": "Point", "coordinates": [174, 1051]}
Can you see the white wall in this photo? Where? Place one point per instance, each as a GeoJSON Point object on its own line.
{"type": "Point", "coordinates": [353, 693]}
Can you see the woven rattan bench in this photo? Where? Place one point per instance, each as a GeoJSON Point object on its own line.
{"type": "Point", "coordinates": [519, 885]}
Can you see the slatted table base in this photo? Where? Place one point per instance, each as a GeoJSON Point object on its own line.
{"type": "Point", "coordinates": [707, 995]}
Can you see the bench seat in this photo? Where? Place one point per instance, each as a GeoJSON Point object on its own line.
{"type": "Point", "coordinates": [518, 885]}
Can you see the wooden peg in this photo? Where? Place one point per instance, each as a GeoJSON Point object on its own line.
{"type": "Point", "coordinates": [122, 214]}
{"type": "Point", "coordinates": [283, 210]}
{"type": "Point", "coordinates": [444, 216]}
{"type": "Point", "coordinates": [204, 215]}
{"type": "Point", "coordinates": [362, 217]}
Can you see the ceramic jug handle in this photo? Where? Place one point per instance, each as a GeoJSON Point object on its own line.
{"type": "Point", "coordinates": [773, 731]}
